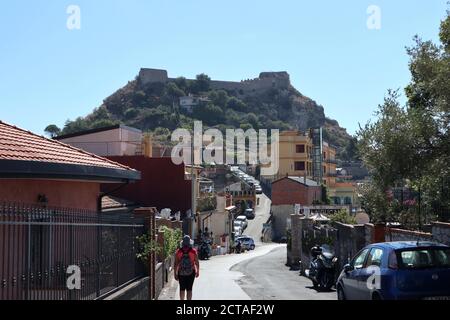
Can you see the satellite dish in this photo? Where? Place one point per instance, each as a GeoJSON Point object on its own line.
{"type": "Point", "coordinates": [165, 213]}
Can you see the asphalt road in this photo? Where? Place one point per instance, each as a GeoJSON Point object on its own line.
{"type": "Point", "coordinates": [268, 278]}
{"type": "Point", "coordinates": [262, 214]}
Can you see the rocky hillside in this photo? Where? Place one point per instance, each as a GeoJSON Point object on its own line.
{"type": "Point", "coordinates": [154, 106]}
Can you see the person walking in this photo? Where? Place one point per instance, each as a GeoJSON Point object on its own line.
{"type": "Point", "coordinates": [187, 267]}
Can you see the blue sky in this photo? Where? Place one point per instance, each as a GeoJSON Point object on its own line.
{"type": "Point", "coordinates": [49, 74]}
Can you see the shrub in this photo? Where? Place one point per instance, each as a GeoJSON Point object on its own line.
{"type": "Point", "coordinates": [343, 216]}
{"type": "Point", "coordinates": [147, 246]}
{"type": "Point", "coordinates": [172, 239]}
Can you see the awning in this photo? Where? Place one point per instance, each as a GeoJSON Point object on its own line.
{"type": "Point", "coordinates": [319, 217]}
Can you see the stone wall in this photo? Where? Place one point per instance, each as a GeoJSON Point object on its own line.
{"type": "Point", "coordinates": [279, 222]}
{"type": "Point", "coordinates": [393, 234]}
{"type": "Point", "coordinates": [441, 232]}
{"type": "Point", "coordinates": [164, 272]}
{"type": "Point", "coordinates": [350, 239]}
{"type": "Point", "coordinates": [347, 239]}
{"type": "Point", "coordinates": [159, 278]}
{"type": "Point", "coordinates": [265, 81]}
{"type": "Point", "coordinates": [369, 233]}
{"type": "Point", "coordinates": [137, 290]}
{"type": "Point", "coordinates": [147, 76]}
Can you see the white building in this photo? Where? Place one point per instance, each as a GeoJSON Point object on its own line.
{"type": "Point", "coordinates": [117, 140]}
{"type": "Point", "coordinates": [188, 103]}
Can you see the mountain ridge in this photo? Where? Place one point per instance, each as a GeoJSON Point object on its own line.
{"type": "Point", "coordinates": [151, 102]}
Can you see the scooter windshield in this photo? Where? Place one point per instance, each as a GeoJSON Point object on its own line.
{"type": "Point", "coordinates": [327, 248]}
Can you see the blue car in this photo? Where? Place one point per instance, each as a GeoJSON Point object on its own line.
{"type": "Point", "coordinates": [247, 242]}
{"type": "Point", "coordinates": [397, 271]}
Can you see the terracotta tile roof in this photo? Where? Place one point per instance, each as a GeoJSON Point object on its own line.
{"type": "Point", "coordinates": [109, 202]}
{"type": "Point", "coordinates": [22, 145]}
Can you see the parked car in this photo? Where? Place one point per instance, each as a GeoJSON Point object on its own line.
{"type": "Point", "coordinates": [258, 190]}
{"type": "Point", "coordinates": [244, 221]}
{"type": "Point", "coordinates": [239, 224]}
{"type": "Point", "coordinates": [403, 270]}
{"type": "Point", "coordinates": [237, 232]}
{"type": "Point", "coordinates": [250, 214]}
{"type": "Point", "coordinates": [247, 242]}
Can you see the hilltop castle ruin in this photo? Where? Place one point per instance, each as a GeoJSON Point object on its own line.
{"type": "Point", "coordinates": [265, 81]}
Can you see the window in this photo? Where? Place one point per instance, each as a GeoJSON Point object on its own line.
{"type": "Point", "coordinates": [299, 165]}
{"type": "Point", "coordinates": [425, 258]}
{"type": "Point", "coordinates": [358, 262]}
{"type": "Point", "coordinates": [324, 169]}
{"type": "Point", "coordinates": [393, 264]}
{"type": "Point", "coordinates": [300, 148]}
{"type": "Point", "coordinates": [324, 155]}
{"type": "Point", "coordinates": [347, 200]}
{"type": "Point", "coordinates": [375, 256]}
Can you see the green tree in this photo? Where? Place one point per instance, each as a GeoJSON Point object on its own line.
{"type": "Point", "coordinates": [253, 120]}
{"type": "Point", "coordinates": [351, 150]}
{"type": "Point", "coordinates": [52, 130]}
{"type": "Point", "coordinates": [131, 113]}
{"type": "Point", "coordinates": [182, 83]}
{"type": "Point", "coordinates": [236, 104]}
{"type": "Point", "coordinates": [77, 125]}
{"type": "Point", "coordinates": [409, 146]}
{"type": "Point", "coordinates": [325, 199]}
{"type": "Point", "coordinates": [343, 216]}
{"type": "Point", "coordinates": [173, 91]}
{"type": "Point", "coordinates": [202, 83]}
{"type": "Point", "coordinates": [246, 126]}
{"type": "Point", "coordinates": [219, 98]}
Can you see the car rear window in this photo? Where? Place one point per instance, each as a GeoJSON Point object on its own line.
{"type": "Point", "coordinates": [424, 258]}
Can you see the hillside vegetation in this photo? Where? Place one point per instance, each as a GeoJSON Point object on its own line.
{"type": "Point", "coordinates": [154, 108]}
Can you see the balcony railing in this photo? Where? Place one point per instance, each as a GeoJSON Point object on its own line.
{"type": "Point", "coordinates": [331, 161]}
{"type": "Point", "coordinates": [330, 174]}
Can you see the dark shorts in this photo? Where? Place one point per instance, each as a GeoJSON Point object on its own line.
{"type": "Point", "coordinates": [186, 282]}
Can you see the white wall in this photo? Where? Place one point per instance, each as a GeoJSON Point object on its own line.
{"type": "Point", "coordinates": [115, 142]}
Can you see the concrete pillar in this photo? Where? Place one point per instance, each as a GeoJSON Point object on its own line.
{"type": "Point", "coordinates": [296, 237]}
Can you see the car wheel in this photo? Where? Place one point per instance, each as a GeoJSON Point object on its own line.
{"type": "Point", "coordinates": [252, 247]}
{"type": "Point", "coordinates": [376, 296]}
{"type": "Point", "coordinates": [315, 284]}
{"type": "Point", "coordinates": [340, 293]}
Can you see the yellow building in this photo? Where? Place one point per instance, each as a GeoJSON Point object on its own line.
{"type": "Point", "coordinates": [295, 154]}
{"type": "Point", "coordinates": [296, 159]}
{"type": "Point", "coordinates": [329, 165]}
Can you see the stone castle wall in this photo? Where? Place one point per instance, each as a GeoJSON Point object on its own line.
{"type": "Point", "coordinates": [265, 81]}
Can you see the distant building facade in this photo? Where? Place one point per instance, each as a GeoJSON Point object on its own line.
{"type": "Point", "coordinates": [297, 158]}
{"type": "Point", "coordinates": [286, 193]}
{"type": "Point", "coordinates": [117, 140]}
{"type": "Point", "coordinates": [188, 103]}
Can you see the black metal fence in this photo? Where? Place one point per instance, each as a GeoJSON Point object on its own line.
{"type": "Point", "coordinates": [66, 254]}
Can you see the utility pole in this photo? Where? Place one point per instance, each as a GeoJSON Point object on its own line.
{"type": "Point", "coordinates": [193, 195]}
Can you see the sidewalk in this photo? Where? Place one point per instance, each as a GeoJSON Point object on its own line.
{"type": "Point", "coordinates": [169, 292]}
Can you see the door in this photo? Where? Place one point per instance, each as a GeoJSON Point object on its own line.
{"type": "Point", "coordinates": [350, 279]}
{"type": "Point", "coordinates": [369, 279]}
